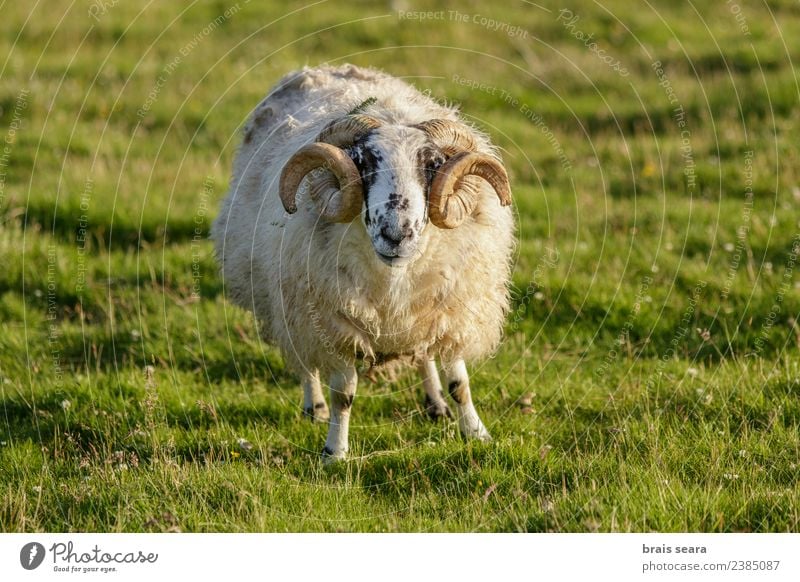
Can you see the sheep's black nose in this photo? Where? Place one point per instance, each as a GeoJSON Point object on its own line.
{"type": "Point", "coordinates": [392, 236]}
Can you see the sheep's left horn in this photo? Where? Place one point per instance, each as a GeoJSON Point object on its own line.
{"type": "Point", "coordinates": [339, 195]}
{"type": "Point", "coordinates": [454, 194]}
{"type": "Point", "coordinates": [450, 136]}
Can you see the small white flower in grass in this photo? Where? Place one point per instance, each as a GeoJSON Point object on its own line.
{"type": "Point", "coordinates": [538, 295]}
{"type": "Point", "coordinates": [729, 247]}
{"type": "Point", "coordinates": [38, 293]}
{"type": "Point", "coordinates": [65, 404]}
{"type": "Point", "coordinates": [244, 444]}
{"type": "Point", "coordinates": [742, 453]}
{"type": "Point", "coordinates": [693, 372]}
{"type": "Point", "coordinates": [703, 395]}
{"type": "Point", "coordinates": [135, 334]}
{"type": "Point", "coordinates": [731, 476]}
{"type": "Point", "coordinates": [37, 488]}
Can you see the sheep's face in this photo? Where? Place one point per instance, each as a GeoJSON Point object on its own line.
{"type": "Point", "coordinates": [397, 165]}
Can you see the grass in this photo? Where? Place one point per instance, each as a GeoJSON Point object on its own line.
{"type": "Point", "coordinates": [650, 375]}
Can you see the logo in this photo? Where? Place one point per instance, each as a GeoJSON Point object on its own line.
{"type": "Point", "coordinates": [31, 555]}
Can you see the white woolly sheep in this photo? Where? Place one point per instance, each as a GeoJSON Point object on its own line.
{"type": "Point", "coordinates": [422, 274]}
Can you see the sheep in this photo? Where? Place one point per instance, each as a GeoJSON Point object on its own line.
{"type": "Point", "coordinates": [366, 222]}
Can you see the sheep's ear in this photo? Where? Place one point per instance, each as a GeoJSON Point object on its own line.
{"type": "Point", "coordinates": [260, 119]}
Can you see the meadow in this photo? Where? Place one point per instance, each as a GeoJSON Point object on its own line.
{"type": "Point", "coordinates": [649, 379]}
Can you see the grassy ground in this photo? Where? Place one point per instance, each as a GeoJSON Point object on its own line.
{"type": "Point", "coordinates": [650, 377]}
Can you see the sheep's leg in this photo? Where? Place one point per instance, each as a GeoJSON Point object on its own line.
{"type": "Point", "coordinates": [314, 406]}
{"type": "Point", "coordinates": [343, 390]}
{"type": "Point", "coordinates": [435, 404]}
{"type": "Point", "coordinates": [469, 423]}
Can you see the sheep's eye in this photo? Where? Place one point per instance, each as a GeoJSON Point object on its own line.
{"type": "Point", "coordinates": [432, 166]}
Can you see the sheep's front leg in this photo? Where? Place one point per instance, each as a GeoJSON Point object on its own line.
{"type": "Point", "coordinates": [435, 404]}
{"type": "Point", "coordinates": [314, 406]}
{"type": "Point", "coordinates": [343, 390]}
{"type": "Point", "coordinates": [469, 423]}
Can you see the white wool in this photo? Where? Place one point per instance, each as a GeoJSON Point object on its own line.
{"type": "Point", "coordinates": [318, 289]}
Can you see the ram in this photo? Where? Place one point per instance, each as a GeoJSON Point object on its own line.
{"type": "Point", "coordinates": [365, 223]}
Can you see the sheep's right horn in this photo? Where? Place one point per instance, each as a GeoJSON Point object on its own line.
{"type": "Point", "coordinates": [339, 196]}
{"type": "Point", "coordinates": [345, 130]}
{"type": "Point", "coordinates": [339, 191]}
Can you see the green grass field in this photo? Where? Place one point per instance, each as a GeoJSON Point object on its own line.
{"type": "Point", "coordinates": [650, 375]}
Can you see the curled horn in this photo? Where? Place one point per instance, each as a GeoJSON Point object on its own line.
{"type": "Point", "coordinates": [453, 196]}
{"type": "Point", "coordinates": [344, 131]}
{"type": "Point", "coordinates": [454, 191]}
{"type": "Point", "coordinates": [340, 195]}
{"type": "Point", "coordinates": [450, 136]}
{"type": "Point", "coordinates": [338, 191]}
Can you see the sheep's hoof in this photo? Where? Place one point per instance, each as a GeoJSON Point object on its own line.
{"type": "Point", "coordinates": [317, 413]}
{"type": "Point", "coordinates": [331, 457]}
{"type": "Point", "coordinates": [436, 410]}
{"type": "Point", "coordinates": [477, 433]}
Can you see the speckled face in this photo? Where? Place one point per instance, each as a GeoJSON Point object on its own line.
{"type": "Point", "coordinates": [397, 165]}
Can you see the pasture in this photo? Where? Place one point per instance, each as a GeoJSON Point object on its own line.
{"type": "Point", "coordinates": [650, 374]}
